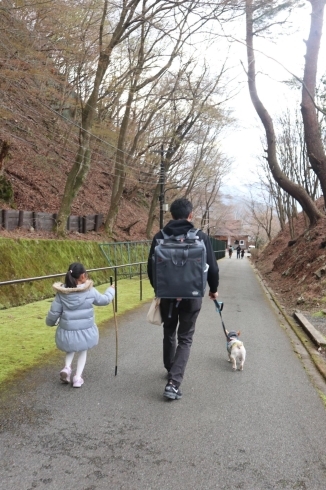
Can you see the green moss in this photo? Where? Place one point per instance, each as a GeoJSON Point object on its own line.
{"type": "Point", "coordinates": [322, 396]}
{"type": "Point", "coordinates": [23, 258]}
{"type": "Point", "coordinates": [318, 314]}
{"type": "Point", "coordinates": [6, 190]}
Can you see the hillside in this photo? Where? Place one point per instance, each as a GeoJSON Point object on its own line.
{"type": "Point", "coordinates": [297, 272]}
{"type": "Point", "coordinates": [42, 135]}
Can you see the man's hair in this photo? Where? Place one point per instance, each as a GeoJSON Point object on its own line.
{"type": "Point", "coordinates": [181, 208]}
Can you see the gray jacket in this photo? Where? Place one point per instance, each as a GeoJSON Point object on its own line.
{"type": "Point", "coordinates": [72, 310]}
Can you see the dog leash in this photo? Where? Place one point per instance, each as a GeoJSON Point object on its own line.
{"type": "Point", "coordinates": [219, 308]}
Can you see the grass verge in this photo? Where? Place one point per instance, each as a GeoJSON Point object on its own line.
{"type": "Point", "coordinates": [26, 341]}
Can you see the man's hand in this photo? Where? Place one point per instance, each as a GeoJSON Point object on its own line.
{"type": "Point", "coordinates": [213, 295]}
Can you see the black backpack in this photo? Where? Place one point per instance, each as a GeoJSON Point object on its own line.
{"type": "Point", "coordinates": [179, 266]}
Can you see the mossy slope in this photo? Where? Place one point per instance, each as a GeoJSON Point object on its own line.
{"type": "Point", "coordinates": [23, 258]}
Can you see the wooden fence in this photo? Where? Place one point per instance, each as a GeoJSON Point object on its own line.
{"type": "Point", "coordinates": [11, 219]}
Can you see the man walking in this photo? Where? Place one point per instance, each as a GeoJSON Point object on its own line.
{"type": "Point", "coordinates": [179, 318]}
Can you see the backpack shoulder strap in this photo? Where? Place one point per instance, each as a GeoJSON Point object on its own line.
{"type": "Point", "coordinates": [176, 238]}
{"type": "Point", "coordinates": [165, 236]}
{"type": "Point", "coordinates": [192, 234]}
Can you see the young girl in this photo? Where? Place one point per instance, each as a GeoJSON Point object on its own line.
{"type": "Point", "coordinates": [72, 310]}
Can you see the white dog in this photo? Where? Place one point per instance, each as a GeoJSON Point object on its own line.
{"type": "Point", "coordinates": [236, 350]}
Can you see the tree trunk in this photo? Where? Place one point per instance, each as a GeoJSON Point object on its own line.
{"type": "Point", "coordinates": [120, 164]}
{"type": "Point", "coordinates": [281, 212]}
{"type": "Point", "coordinates": [75, 180]}
{"type": "Point", "coordinates": [315, 149]}
{"type": "Point", "coordinates": [79, 171]}
{"type": "Point", "coordinates": [4, 150]}
{"type": "Point", "coordinates": [80, 168]}
{"type": "Point", "coordinates": [295, 190]}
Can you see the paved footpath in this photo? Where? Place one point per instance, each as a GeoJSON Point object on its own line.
{"type": "Point", "coordinates": [263, 428]}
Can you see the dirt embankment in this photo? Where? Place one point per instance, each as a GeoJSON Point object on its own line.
{"type": "Point", "coordinates": [296, 269]}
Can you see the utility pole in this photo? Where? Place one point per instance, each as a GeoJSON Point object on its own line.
{"type": "Point", "coordinates": [162, 182]}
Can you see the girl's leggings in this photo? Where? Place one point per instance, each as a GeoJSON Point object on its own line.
{"type": "Point", "coordinates": [82, 356]}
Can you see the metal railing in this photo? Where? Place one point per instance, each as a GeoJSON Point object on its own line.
{"type": "Point", "coordinates": [135, 252]}
{"type": "Point", "coordinates": [126, 253]}
{"type": "Point", "coordinates": [113, 268]}
{"type": "Point", "coordinates": [135, 269]}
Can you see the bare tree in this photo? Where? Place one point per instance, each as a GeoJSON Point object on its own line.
{"type": "Point", "coordinates": [295, 190]}
{"type": "Point", "coordinates": [293, 157]}
{"type": "Point", "coordinates": [123, 20]}
{"type": "Point", "coordinates": [285, 205]}
{"type": "Point", "coordinates": [262, 212]}
{"type": "Point", "coordinates": [267, 183]}
{"type": "Point", "coordinates": [145, 56]}
{"type": "Point", "coordinates": [202, 170]}
{"type": "Point", "coordinates": [192, 103]}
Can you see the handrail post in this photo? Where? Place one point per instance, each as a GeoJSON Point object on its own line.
{"type": "Point", "coordinates": [116, 289]}
{"type": "Point", "coordinates": [141, 281]}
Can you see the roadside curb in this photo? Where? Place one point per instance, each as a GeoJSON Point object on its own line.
{"type": "Point", "coordinates": [316, 336]}
{"type": "Point", "coordinates": [308, 344]}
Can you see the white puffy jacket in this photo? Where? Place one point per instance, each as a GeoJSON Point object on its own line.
{"type": "Point", "coordinates": [73, 307]}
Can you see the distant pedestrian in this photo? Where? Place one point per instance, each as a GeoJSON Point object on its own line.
{"type": "Point", "coordinates": [238, 251]}
{"type": "Point", "coordinates": [230, 251]}
{"type": "Point", "coordinates": [72, 310]}
{"type": "Point", "coordinates": [242, 253]}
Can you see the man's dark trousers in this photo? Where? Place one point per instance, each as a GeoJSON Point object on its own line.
{"type": "Point", "coordinates": [176, 353]}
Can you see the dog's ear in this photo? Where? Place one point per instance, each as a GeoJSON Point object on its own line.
{"type": "Point", "coordinates": [227, 332]}
{"type": "Point", "coordinates": [238, 333]}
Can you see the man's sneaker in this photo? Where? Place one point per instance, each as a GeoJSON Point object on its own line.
{"type": "Point", "coordinates": [77, 382]}
{"type": "Point", "coordinates": [172, 392]}
{"type": "Point", "coordinates": [65, 375]}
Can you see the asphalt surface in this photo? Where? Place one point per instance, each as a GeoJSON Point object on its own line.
{"type": "Point", "coordinates": [263, 428]}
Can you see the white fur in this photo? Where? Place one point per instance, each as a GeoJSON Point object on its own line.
{"type": "Point", "coordinates": [237, 355]}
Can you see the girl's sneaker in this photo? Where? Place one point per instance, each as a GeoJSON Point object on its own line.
{"type": "Point", "coordinates": [77, 382]}
{"type": "Point", "coordinates": [65, 375]}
